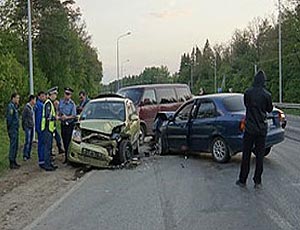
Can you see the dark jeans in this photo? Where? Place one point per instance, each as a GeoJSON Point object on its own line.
{"type": "Point", "coordinates": [13, 135]}
{"type": "Point", "coordinates": [249, 142]}
{"type": "Point", "coordinates": [66, 134]}
{"type": "Point", "coordinates": [48, 140]}
{"type": "Point", "coordinates": [41, 148]}
{"type": "Point", "coordinates": [28, 142]}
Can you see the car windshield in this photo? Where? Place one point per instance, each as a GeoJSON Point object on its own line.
{"type": "Point", "coordinates": [110, 110]}
{"type": "Point", "coordinates": [133, 94]}
{"type": "Point", "coordinates": [234, 103]}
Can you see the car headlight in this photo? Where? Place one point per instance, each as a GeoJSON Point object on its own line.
{"type": "Point", "coordinates": [77, 135]}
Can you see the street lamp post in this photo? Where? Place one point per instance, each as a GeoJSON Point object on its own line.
{"type": "Point", "coordinates": [30, 48]}
{"type": "Point", "coordinates": [279, 53]}
{"type": "Point", "coordinates": [118, 60]}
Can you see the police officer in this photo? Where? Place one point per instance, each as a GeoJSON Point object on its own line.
{"type": "Point", "coordinates": [258, 102]}
{"type": "Point", "coordinates": [67, 113]}
{"type": "Point", "coordinates": [48, 127]}
{"type": "Point", "coordinates": [12, 122]}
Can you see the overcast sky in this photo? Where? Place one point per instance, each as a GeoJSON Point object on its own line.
{"type": "Point", "coordinates": [162, 30]}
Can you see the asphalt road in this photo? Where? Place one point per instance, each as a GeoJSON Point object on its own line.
{"type": "Point", "coordinates": [172, 192]}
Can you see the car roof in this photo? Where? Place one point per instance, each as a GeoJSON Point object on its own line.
{"type": "Point", "coordinates": [154, 86]}
{"type": "Point", "coordinates": [217, 96]}
{"type": "Point", "coordinates": [115, 99]}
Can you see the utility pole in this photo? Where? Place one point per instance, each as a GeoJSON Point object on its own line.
{"type": "Point", "coordinates": [279, 53]}
{"type": "Point", "coordinates": [30, 48]}
{"type": "Point", "coordinates": [215, 68]}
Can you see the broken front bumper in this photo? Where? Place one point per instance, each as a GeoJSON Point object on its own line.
{"type": "Point", "coordinates": [92, 154]}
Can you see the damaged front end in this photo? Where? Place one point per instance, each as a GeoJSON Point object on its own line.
{"type": "Point", "coordinates": [96, 142]}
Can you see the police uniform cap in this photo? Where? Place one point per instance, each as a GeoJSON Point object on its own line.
{"type": "Point", "coordinates": [68, 90]}
{"type": "Point", "coordinates": [53, 90]}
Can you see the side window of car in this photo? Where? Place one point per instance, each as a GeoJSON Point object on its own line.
{"type": "Point", "coordinates": [206, 110]}
{"type": "Point", "coordinates": [149, 97]}
{"type": "Point", "coordinates": [184, 113]}
{"type": "Point", "coordinates": [166, 95]}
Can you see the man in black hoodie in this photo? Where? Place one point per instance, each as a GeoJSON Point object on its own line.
{"type": "Point", "coordinates": [258, 102]}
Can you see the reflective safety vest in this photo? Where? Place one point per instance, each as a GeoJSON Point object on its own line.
{"type": "Point", "coordinates": [52, 114]}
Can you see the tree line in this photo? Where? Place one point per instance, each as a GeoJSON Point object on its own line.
{"type": "Point", "coordinates": [234, 62]}
{"type": "Point", "coordinates": [62, 50]}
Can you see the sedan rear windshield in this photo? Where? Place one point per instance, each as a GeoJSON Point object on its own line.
{"type": "Point", "coordinates": [133, 94]}
{"type": "Point", "coordinates": [107, 110]}
{"type": "Point", "coordinates": [234, 103]}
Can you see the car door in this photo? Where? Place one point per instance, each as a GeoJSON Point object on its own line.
{"type": "Point", "coordinates": [178, 128]}
{"type": "Point", "coordinates": [148, 108]}
{"type": "Point", "coordinates": [203, 125]}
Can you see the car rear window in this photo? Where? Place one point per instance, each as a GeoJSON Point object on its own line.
{"type": "Point", "coordinates": [234, 103]}
{"type": "Point", "coordinates": [166, 95]}
{"type": "Point", "coordinates": [183, 94]}
{"type": "Point", "coordinates": [134, 94]}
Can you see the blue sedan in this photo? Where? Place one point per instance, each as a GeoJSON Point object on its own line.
{"type": "Point", "coordinates": [212, 123]}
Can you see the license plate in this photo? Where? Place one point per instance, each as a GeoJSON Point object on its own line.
{"type": "Point", "coordinates": [92, 154]}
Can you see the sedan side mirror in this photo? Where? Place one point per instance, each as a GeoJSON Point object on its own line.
{"type": "Point", "coordinates": [171, 118]}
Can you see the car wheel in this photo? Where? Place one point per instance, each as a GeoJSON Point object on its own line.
{"type": "Point", "coordinates": [143, 134]}
{"type": "Point", "coordinates": [125, 152]}
{"type": "Point", "coordinates": [267, 151]}
{"type": "Point", "coordinates": [220, 151]}
{"type": "Point", "coordinates": [161, 146]}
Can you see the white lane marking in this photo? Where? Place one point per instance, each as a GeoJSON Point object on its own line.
{"type": "Point", "coordinates": [279, 220]}
{"type": "Point", "coordinates": [58, 202]}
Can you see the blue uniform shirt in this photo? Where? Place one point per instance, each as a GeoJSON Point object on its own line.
{"type": "Point", "coordinates": [12, 117]}
{"type": "Point", "coordinates": [38, 110]}
{"type": "Point", "coordinates": [67, 108]}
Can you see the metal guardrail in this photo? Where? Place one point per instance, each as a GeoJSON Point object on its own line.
{"type": "Point", "coordinates": [287, 105]}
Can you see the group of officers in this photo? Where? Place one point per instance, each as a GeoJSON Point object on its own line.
{"type": "Point", "coordinates": [41, 114]}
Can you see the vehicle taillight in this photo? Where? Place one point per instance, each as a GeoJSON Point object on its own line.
{"type": "Point", "coordinates": [243, 124]}
{"type": "Point", "coordinates": [281, 116]}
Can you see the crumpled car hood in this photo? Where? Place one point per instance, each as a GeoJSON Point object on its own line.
{"type": "Point", "coordinates": [103, 126]}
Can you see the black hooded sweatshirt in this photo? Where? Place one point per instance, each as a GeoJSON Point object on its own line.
{"type": "Point", "coordinates": [258, 102]}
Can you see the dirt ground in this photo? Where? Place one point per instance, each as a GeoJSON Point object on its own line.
{"type": "Point", "coordinates": [27, 192]}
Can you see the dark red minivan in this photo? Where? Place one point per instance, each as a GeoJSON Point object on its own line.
{"type": "Point", "coordinates": [150, 99]}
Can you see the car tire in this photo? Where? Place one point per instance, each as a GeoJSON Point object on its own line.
{"type": "Point", "coordinates": [161, 146]}
{"type": "Point", "coordinates": [125, 152]}
{"type": "Point", "coordinates": [143, 134]}
{"type": "Point", "coordinates": [220, 150]}
{"type": "Point", "coordinates": [267, 151]}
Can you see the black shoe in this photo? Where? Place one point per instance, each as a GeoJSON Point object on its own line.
{"type": "Point", "coordinates": [50, 169]}
{"type": "Point", "coordinates": [42, 166]}
{"type": "Point", "coordinates": [54, 166]}
{"type": "Point", "coordinates": [258, 186]}
{"type": "Point", "coordinates": [13, 166]}
{"type": "Point", "coordinates": [239, 183]}
{"type": "Point", "coordinates": [17, 165]}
